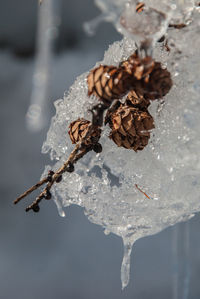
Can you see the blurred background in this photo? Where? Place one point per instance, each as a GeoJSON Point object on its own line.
{"type": "Point", "coordinates": [43, 255]}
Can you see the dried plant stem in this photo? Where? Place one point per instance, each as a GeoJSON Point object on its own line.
{"type": "Point", "coordinates": [81, 154]}
{"type": "Point", "coordinates": [30, 190]}
{"type": "Point", "coordinates": [57, 174]}
{"type": "Point", "coordinates": [142, 191]}
{"type": "Point", "coordinates": [78, 152]}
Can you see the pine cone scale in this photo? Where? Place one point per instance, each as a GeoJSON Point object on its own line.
{"type": "Point", "coordinates": [98, 73]}
{"type": "Point", "coordinates": [90, 81]}
{"type": "Point", "coordinates": [108, 92]}
{"type": "Point", "coordinates": [98, 89]}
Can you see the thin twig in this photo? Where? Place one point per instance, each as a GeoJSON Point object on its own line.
{"type": "Point", "coordinates": [30, 190]}
{"type": "Point", "coordinates": [177, 26]}
{"type": "Point", "coordinates": [73, 158]}
{"type": "Point", "coordinates": [81, 154]}
{"type": "Point", "coordinates": [78, 152]}
{"type": "Point", "coordinates": [142, 191]}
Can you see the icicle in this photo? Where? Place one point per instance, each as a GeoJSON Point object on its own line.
{"type": "Point", "coordinates": [111, 10]}
{"type": "Point", "coordinates": [125, 268]}
{"type": "Point", "coordinates": [58, 203]}
{"type": "Point", "coordinates": [91, 26]}
{"type": "Point", "coordinates": [47, 31]}
{"type": "Point", "coordinates": [59, 206]}
{"type": "Point", "coordinates": [181, 275]}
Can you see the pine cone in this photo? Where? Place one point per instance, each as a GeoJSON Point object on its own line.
{"type": "Point", "coordinates": [130, 127]}
{"type": "Point", "coordinates": [79, 128]}
{"type": "Point", "coordinates": [137, 100]}
{"type": "Point", "coordinates": [137, 67]}
{"type": "Point", "coordinates": [158, 84]}
{"type": "Point", "coordinates": [107, 83]}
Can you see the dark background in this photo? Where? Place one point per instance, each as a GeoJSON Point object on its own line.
{"type": "Point", "coordinates": [43, 255]}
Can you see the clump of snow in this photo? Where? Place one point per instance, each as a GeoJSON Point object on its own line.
{"type": "Point", "coordinates": [167, 170]}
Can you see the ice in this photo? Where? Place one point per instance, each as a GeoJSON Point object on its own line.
{"type": "Point", "coordinates": [111, 10]}
{"type": "Point", "coordinates": [181, 252]}
{"type": "Point", "coordinates": [149, 25]}
{"type": "Point", "coordinates": [167, 170]}
{"type": "Point", "coordinates": [47, 31]}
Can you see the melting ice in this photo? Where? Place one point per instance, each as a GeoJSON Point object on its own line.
{"type": "Point", "coordinates": [167, 170]}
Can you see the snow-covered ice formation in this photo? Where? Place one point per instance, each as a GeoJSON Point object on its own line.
{"type": "Point", "coordinates": [167, 170]}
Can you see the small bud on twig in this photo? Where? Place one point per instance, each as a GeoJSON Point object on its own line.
{"type": "Point", "coordinates": [48, 195]}
{"type": "Point", "coordinates": [59, 179]}
{"type": "Point", "coordinates": [35, 208]}
{"type": "Point", "coordinates": [50, 174]}
{"type": "Point", "coordinates": [70, 167]}
{"type": "Point", "coordinates": [97, 148]}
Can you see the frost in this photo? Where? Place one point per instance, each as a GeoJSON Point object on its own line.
{"type": "Point", "coordinates": [167, 170]}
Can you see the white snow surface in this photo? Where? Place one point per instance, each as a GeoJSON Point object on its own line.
{"type": "Point", "coordinates": [167, 170]}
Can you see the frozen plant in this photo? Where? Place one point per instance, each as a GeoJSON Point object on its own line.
{"type": "Point", "coordinates": [133, 194]}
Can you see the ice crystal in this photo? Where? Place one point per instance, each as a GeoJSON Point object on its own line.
{"type": "Point", "coordinates": [167, 170]}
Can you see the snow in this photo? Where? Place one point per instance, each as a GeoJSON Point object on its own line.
{"type": "Point", "coordinates": [167, 169]}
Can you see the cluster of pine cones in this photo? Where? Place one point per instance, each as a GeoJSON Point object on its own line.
{"type": "Point", "coordinates": [143, 80]}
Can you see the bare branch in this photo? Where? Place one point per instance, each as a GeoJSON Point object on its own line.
{"type": "Point", "coordinates": [30, 190]}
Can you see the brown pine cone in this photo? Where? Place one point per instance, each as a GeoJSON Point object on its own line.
{"type": "Point", "coordinates": [108, 83]}
{"type": "Point", "coordinates": [138, 67]}
{"type": "Point", "coordinates": [79, 128]}
{"type": "Point", "coordinates": [130, 127]}
{"type": "Point", "coordinates": [158, 84]}
{"type": "Point", "coordinates": [137, 100]}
